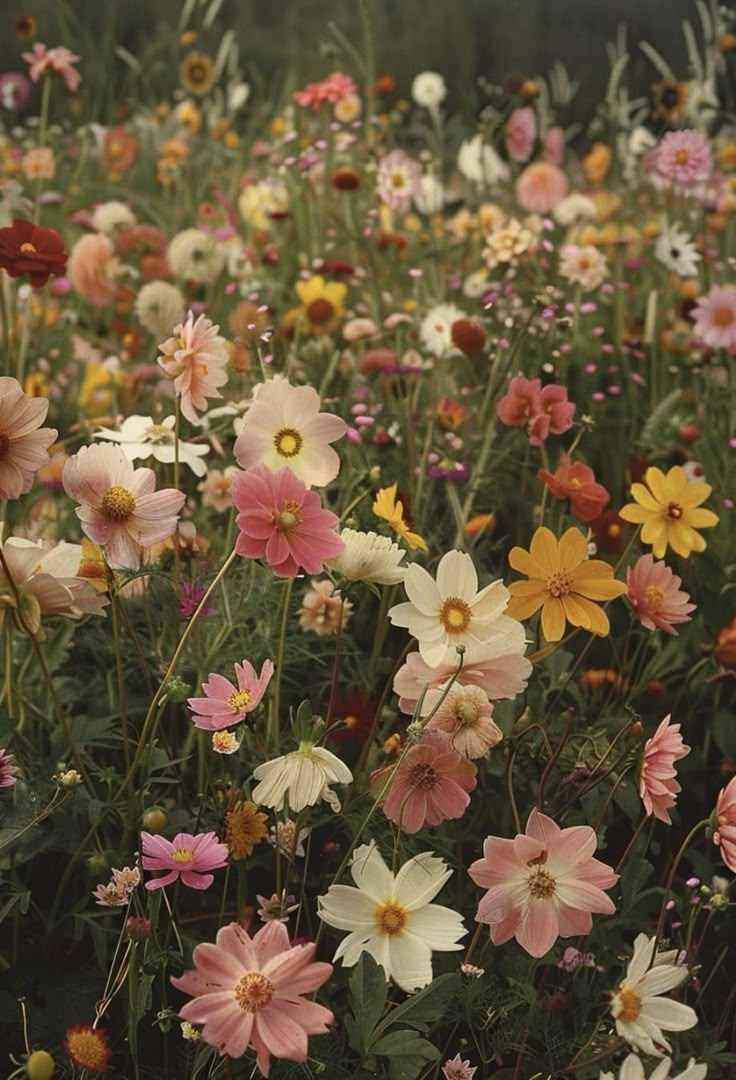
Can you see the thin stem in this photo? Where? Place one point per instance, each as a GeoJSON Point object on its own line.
{"type": "Point", "coordinates": [119, 669]}
{"type": "Point", "coordinates": [274, 717]}
{"type": "Point", "coordinates": [671, 876]}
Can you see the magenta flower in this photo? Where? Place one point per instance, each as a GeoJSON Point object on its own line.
{"type": "Point", "coordinates": [23, 442]}
{"type": "Point", "coordinates": [8, 770]}
{"type": "Point", "coordinates": [542, 885]}
{"type": "Point", "coordinates": [658, 787]}
{"type": "Point", "coordinates": [187, 857]}
{"type": "Point", "coordinates": [715, 317]}
{"type": "Point", "coordinates": [542, 410]}
{"type": "Point", "coordinates": [431, 784]}
{"type": "Point", "coordinates": [683, 158]}
{"type": "Point", "coordinates": [58, 61]}
{"type": "Point", "coordinates": [225, 704]}
{"type": "Point", "coordinates": [654, 592]}
{"type": "Point", "coordinates": [283, 522]}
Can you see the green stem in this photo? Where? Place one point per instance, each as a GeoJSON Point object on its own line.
{"type": "Point", "coordinates": [673, 870]}
{"type": "Point", "coordinates": [274, 717]}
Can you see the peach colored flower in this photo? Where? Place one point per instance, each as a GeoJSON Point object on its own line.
{"type": "Point", "coordinates": [431, 785]}
{"type": "Point", "coordinates": [725, 832]}
{"type": "Point", "coordinates": [323, 610]}
{"type": "Point", "coordinates": [58, 61]}
{"type": "Point", "coordinates": [92, 268]}
{"type": "Point", "coordinates": [39, 164]}
{"type": "Point", "coordinates": [23, 442]}
{"type": "Point", "coordinates": [465, 715]}
{"type": "Point", "coordinates": [196, 359]}
{"type": "Point", "coordinates": [187, 857]}
{"type": "Point", "coordinates": [542, 410]}
{"type": "Point", "coordinates": [576, 482]}
{"type": "Point", "coordinates": [654, 592]}
{"type": "Point", "coordinates": [541, 187]}
{"type": "Point", "coordinates": [658, 787]}
{"type": "Point", "coordinates": [225, 704]}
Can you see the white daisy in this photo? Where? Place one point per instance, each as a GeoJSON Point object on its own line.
{"type": "Point", "coordinates": [632, 1069]}
{"type": "Point", "coordinates": [677, 252]}
{"type": "Point", "coordinates": [369, 557]}
{"type": "Point", "coordinates": [142, 437]}
{"type": "Point", "coordinates": [306, 774]}
{"type": "Point", "coordinates": [435, 331]}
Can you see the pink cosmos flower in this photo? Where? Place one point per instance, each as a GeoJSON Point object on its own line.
{"type": "Point", "coordinates": [281, 520]}
{"type": "Point", "coordinates": [196, 359]}
{"type": "Point", "coordinates": [657, 785]}
{"type": "Point", "coordinates": [225, 704]}
{"type": "Point", "coordinates": [542, 885]}
{"type": "Point", "coordinates": [715, 317]}
{"type": "Point", "coordinates": [683, 158]}
{"type": "Point", "coordinates": [58, 60]}
{"type": "Point", "coordinates": [465, 715]}
{"type": "Point", "coordinates": [458, 1068]}
{"type": "Point", "coordinates": [499, 668]}
{"type": "Point", "coordinates": [23, 443]}
{"type": "Point", "coordinates": [333, 88]}
{"type": "Point", "coordinates": [431, 784]}
{"type": "Point", "coordinates": [8, 770]}
{"type": "Point", "coordinates": [47, 581]}
{"type": "Point", "coordinates": [543, 410]}
{"type": "Point", "coordinates": [521, 131]}
{"type": "Point", "coordinates": [654, 591]}
{"type": "Point", "coordinates": [247, 993]}
{"type": "Point", "coordinates": [553, 145]}
{"type": "Point", "coordinates": [399, 180]}
{"type": "Point", "coordinates": [92, 268]}
{"type": "Point", "coordinates": [725, 833]}
{"type": "Point", "coordinates": [541, 187]}
{"type": "Point", "coordinates": [120, 509]}
{"type": "Point", "coordinates": [187, 857]}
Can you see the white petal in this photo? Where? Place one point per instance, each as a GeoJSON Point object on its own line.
{"type": "Point", "coordinates": [411, 961]}
{"type": "Point", "coordinates": [419, 880]}
{"type": "Point", "coordinates": [347, 908]}
{"type": "Point", "coordinates": [371, 874]}
{"type": "Point", "coordinates": [438, 926]}
{"type": "Point", "coordinates": [421, 589]}
{"type": "Point", "coordinates": [456, 576]}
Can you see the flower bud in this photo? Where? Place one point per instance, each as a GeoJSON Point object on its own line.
{"type": "Point", "coordinates": [40, 1065]}
{"type": "Point", "coordinates": [154, 820]}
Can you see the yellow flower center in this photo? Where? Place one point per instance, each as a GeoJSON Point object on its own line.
{"type": "Point", "coordinates": [455, 615]}
{"type": "Point", "coordinates": [320, 311]}
{"type": "Point", "coordinates": [288, 515]}
{"type": "Point", "coordinates": [654, 597]}
{"type": "Point", "coordinates": [118, 504]}
{"type": "Point", "coordinates": [239, 699]}
{"type": "Point", "coordinates": [682, 156]}
{"type": "Point", "coordinates": [87, 1049]}
{"type": "Point", "coordinates": [397, 180]}
{"type": "Point", "coordinates": [288, 442]}
{"type": "Point", "coordinates": [390, 917]}
{"type": "Point", "coordinates": [182, 854]}
{"type": "Point", "coordinates": [541, 883]}
{"type": "Point", "coordinates": [466, 713]}
{"type": "Point", "coordinates": [674, 511]}
{"type": "Point", "coordinates": [723, 316]}
{"type": "Point", "coordinates": [628, 1003]}
{"type": "Point", "coordinates": [159, 433]}
{"type": "Point", "coordinates": [253, 991]}
{"type": "Point", "coordinates": [27, 247]}
{"type": "Point", "coordinates": [574, 484]}
{"type": "Point", "coordinates": [559, 583]}
{"type": "Point", "coordinates": [614, 529]}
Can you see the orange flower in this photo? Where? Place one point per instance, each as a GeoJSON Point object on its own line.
{"type": "Point", "coordinates": [726, 648]}
{"type": "Point", "coordinates": [480, 523]}
{"type": "Point", "coordinates": [597, 162]}
{"type": "Point", "coordinates": [450, 414]}
{"type": "Point", "coordinates": [576, 483]}
{"type": "Point", "coordinates": [118, 151]}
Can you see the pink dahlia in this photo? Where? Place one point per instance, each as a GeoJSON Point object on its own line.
{"type": "Point", "coordinates": [187, 857]}
{"type": "Point", "coordinates": [658, 787]}
{"type": "Point", "coordinates": [541, 187]}
{"type": "Point", "coordinates": [654, 591]}
{"type": "Point", "coordinates": [683, 158]}
{"type": "Point", "coordinates": [283, 522]}
{"type": "Point", "coordinates": [8, 770]}
{"type": "Point", "coordinates": [225, 704]}
{"type": "Point", "coordinates": [431, 784]}
{"type": "Point", "coordinates": [196, 359]}
{"type": "Point", "coordinates": [542, 410]}
{"type": "Point", "coordinates": [715, 317]}
{"type": "Point", "coordinates": [120, 509]}
{"type": "Point", "coordinates": [247, 993]}
{"type": "Point", "coordinates": [725, 833]}
{"type": "Point", "coordinates": [58, 61]}
{"type": "Point", "coordinates": [542, 885]}
{"type": "Point", "coordinates": [23, 442]}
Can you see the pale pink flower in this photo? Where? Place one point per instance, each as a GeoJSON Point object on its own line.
{"type": "Point", "coordinates": [715, 317]}
{"type": "Point", "coordinates": [92, 268]}
{"type": "Point", "coordinates": [542, 410]}
{"type": "Point", "coordinates": [683, 158]}
{"type": "Point", "coordinates": [224, 704]}
{"type": "Point", "coordinates": [458, 1068]}
{"type": "Point", "coordinates": [658, 787]}
{"type": "Point", "coordinates": [58, 60]}
{"type": "Point", "coordinates": [725, 833]}
{"type": "Point", "coordinates": [541, 187]}
{"type": "Point", "coordinates": [654, 591]}
{"type": "Point", "coordinates": [542, 885]}
{"type": "Point", "coordinates": [8, 769]}
{"type": "Point", "coordinates": [23, 443]}
{"type": "Point", "coordinates": [553, 145]}
{"type": "Point", "coordinates": [46, 578]}
{"type": "Point", "coordinates": [521, 131]}
{"type": "Point", "coordinates": [247, 993]}
{"type": "Point", "coordinates": [121, 510]}
{"type": "Point", "coordinates": [187, 857]}
{"type": "Point", "coordinates": [430, 786]}
{"type": "Point", "coordinates": [196, 359]}
{"type": "Point", "coordinates": [399, 180]}
{"type": "Point", "coordinates": [465, 715]}
{"type": "Point", "coordinates": [280, 520]}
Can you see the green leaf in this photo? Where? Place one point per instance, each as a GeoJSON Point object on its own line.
{"type": "Point", "coordinates": [368, 992]}
{"type": "Point", "coordinates": [407, 1052]}
{"type": "Point", "coordinates": [424, 1007]}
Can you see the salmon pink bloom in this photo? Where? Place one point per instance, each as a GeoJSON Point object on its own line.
{"type": "Point", "coordinates": [281, 520]}
{"type": "Point", "coordinates": [658, 787]}
{"type": "Point", "coordinates": [247, 993]}
{"type": "Point", "coordinates": [196, 359]}
{"type": "Point", "coordinates": [541, 187]}
{"type": "Point", "coordinates": [465, 715]}
{"type": "Point", "coordinates": [577, 483]}
{"type": "Point", "coordinates": [58, 61]}
{"type": "Point", "coordinates": [655, 594]}
{"type": "Point", "coordinates": [725, 833]}
{"type": "Point", "coordinates": [431, 784]}
{"type": "Point", "coordinates": [542, 410]}
{"type": "Point", "coordinates": [225, 704]}
{"type": "Point", "coordinates": [23, 442]}
{"type": "Point", "coordinates": [92, 269]}
{"type": "Point", "coordinates": [187, 857]}
{"type": "Point", "coordinates": [715, 317]}
{"type": "Point", "coordinates": [542, 885]}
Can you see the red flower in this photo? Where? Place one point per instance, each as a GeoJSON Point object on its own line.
{"type": "Point", "coordinates": [26, 248]}
{"type": "Point", "coordinates": [576, 483]}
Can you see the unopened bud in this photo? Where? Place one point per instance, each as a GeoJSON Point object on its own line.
{"type": "Point", "coordinates": [154, 820]}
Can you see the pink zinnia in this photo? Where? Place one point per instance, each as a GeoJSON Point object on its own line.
{"type": "Point", "coordinates": [23, 442]}
{"type": "Point", "coordinates": [501, 671]}
{"type": "Point", "coordinates": [431, 784]}
{"type": "Point", "coordinates": [654, 591]}
{"type": "Point", "coordinates": [8, 770]}
{"type": "Point", "coordinates": [725, 833]}
{"type": "Point", "coordinates": [196, 359]}
{"type": "Point", "coordinates": [58, 60]}
{"type": "Point", "coordinates": [121, 510]}
{"type": "Point", "coordinates": [465, 715]}
{"type": "Point", "coordinates": [247, 993]}
{"type": "Point", "coordinates": [683, 158]}
{"type": "Point", "coordinates": [715, 317]}
{"type": "Point", "coordinates": [187, 857]}
{"type": "Point", "coordinates": [541, 187]}
{"type": "Point", "coordinates": [658, 787]}
{"type": "Point", "coordinates": [283, 522]}
{"type": "Point", "coordinates": [521, 131]}
{"type": "Point", "coordinates": [542, 410]}
{"type": "Point", "coordinates": [542, 885]}
{"type": "Point", "coordinates": [225, 704]}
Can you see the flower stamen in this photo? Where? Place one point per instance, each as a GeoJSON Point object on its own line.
{"type": "Point", "coordinates": [253, 991]}
{"type": "Point", "coordinates": [118, 504]}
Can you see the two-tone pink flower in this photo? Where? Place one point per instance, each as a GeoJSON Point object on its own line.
{"type": "Point", "coordinates": [225, 704]}
{"type": "Point", "coordinates": [196, 359]}
{"type": "Point", "coordinates": [658, 786]}
{"type": "Point", "coordinates": [23, 442]}
{"type": "Point", "coordinates": [187, 857]}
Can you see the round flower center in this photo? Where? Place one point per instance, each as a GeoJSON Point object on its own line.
{"type": "Point", "coordinates": [253, 991]}
{"type": "Point", "coordinates": [390, 917]}
{"type": "Point", "coordinates": [288, 442]}
{"type": "Point", "coordinates": [559, 583]}
{"type": "Point", "coordinates": [455, 615]}
{"type": "Point", "coordinates": [541, 883]}
{"type": "Point", "coordinates": [674, 511]}
{"type": "Point", "coordinates": [320, 311]}
{"type": "Point", "coordinates": [574, 484]}
{"type": "Point", "coordinates": [182, 854]}
{"type": "Point", "coordinates": [118, 503]}
{"type": "Point", "coordinates": [27, 247]}
{"type": "Point", "coordinates": [628, 1005]}
{"type": "Point", "coordinates": [288, 515]}
{"type": "Point", "coordinates": [682, 156]}
{"type": "Point", "coordinates": [423, 776]}
{"type": "Point", "coordinates": [88, 1049]}
{"type": "Point", "coordinates": [723, 316]}
{"type": "Point", "coordinates": [239, 699]}
{"type": "Point", "coordinates": [466, 713]}
{"type": "Point", "coordinates": [4, 445]}
{"type": "Point", "coordinates": [397, 180]}
{"type": "Point", "coordinates": [614, 530]}
{"type": "Point", "coordinates": [654, 597]}
{"type": "Point", "coordinates": [159, 433]}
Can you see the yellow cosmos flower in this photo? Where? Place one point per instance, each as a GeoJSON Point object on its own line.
{"type": "Point", "coordinates": [668, 506]}
{"type": "Point", "coordinates": [563, 583]}
{"type": "Point", "coordinates": [387, 507]}
{"type": "Point", "coordinates": [321, 306]}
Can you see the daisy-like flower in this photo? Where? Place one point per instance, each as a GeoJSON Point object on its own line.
{"type": "Point", "coordinates": [142, 437]}
{"type": "Point", "coordinates": [305, 774]}
{"type": "Point", "coordinates": [367, 556]}
{"type": "Point", "coordinates": [639, 1009]}
{"type": "Point", "coordinates": [279, 519]}
{"type": "Point", "coordinates": [23, 442]}
{"type": "Point", "coordinates": [668, 507]}
{"type": "Point", "coordinates": [576, 482]}
{"type": "Point", "coordinates": [121, 510]}
{"type": "Point", "coordinates": [248, 993]}
{"type": "Point", "coordinates": [321, 306]}
{"type": "Point", "coordinates": [26, 248]}
{"type": "Point", "coordinates": [245, 827]}
{"type": "Point", "coordinates": [725, 832]}
{"type": "Point", "coordinates": [57, 61]}
{"type": "Point", "coordinates": [563, 583]}
{"type": "Point", "coordinates": [8, 769]}
{"type": "Point", "coordinates": [715, 317]}
{"type": "Point", "coordinates": [391, 509]}
{"type": "Point", "coordinates": [458, 1068]}
{"type": "Point", "coordinates": [583, 266]}
{"type": "Point", "coordinates": [448, 611]}
{"type": "Point", "coordinates": [217, 488]}
{"type": "Point", "coordinates": [196, 359]}
{"type": "Point", "coordinates": [187, 857]}
{"type": "Point", "coordinates": [435, 330]}
{"type": "Point", "coordinates": [399, 180]}
{"type": "Point", "coordinates": [87, 1047]}
{"type": "Point", "coordinates": [224, 704]}
{"type": "Point", "coordinates": [658, 787]}
{"type": "Point", "coordinates": [284, 427]}
{"type": "Point", "coordinates": [655, 594]}
{"type": "Point", "coordinates": [683, 159]}
{"type": "Point", "coordinates": [392, 916]}
{"type": "Point", "coordinates": [465, 715]}
{"type": "Point", "coordinates": [431, 785]}
{"type": "Point", "coordinates": [677, 252]}
{"type": "Point", "coordinates": [632, 1069]}
{"type": "Point", "coordinates": [542, 885]}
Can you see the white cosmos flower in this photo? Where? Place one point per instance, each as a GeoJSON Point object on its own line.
{"type": "Point", "coordinates": [479, 162]}
{"type": "Point", "coordinates": [392, 917]}
{"type": "Point", "coordinates": [640, 1011]}
{"type": "Point", "coordinates": [677, 252]}
{"type": "Point", "coordinates": [632, 1069]}
{"type": "Point", "coordinates": [369, 557]}
{"type": "Point", "coordinates": [429, 89]}
{"type": "Point", "coordinates": [143, 437]}
{"type": "Point", "coordinates": [306, 774]}
{"type": "Point", "coordinates": [435, 331]}
{"type": "Point", "coordinates": [449, 611]}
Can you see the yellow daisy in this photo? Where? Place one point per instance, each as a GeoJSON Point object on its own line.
{"type": "Point", "coordinates": [321, 306]}
{"type": "Point", "coordinates": [668, 507]}
{"type": "Point", "coordinates": [196, 73]}
{"type": "Point", "coordinates": [387, 507]}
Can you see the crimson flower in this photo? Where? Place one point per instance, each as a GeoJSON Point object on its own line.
{"type": "Point", "coordinates": [26, 248]}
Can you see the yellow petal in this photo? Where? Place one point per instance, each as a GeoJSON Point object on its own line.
{"type": "Point", "coordinates": [695, 493]}
{"type": "Point", "coordinates": [544, 549]}
{"type": "Point", "coordinates": [658, 484]}
{"type": "Point", "coordinates": [645, 498]}
{"type": "Point", "coordinates": [573, 548]}
{"type": "Point", "coordinates": [598, 620]}
{"type": "Point", "coordinates": [553, 619]}
{"type": "Point", "coordinates": [521, 607]}
{"type": "Point", "coordinates": [637, 514]}
{"type": "Point", "coordinates": [700, 518]}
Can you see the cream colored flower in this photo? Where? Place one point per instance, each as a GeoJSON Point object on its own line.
{"type": "Point", "coordinates": [109, 216]}
{"type": "Point", "coordinates": [305, 774]}
{"type": "Point", "coordinates": [159, 306]}
{"type": "Point", "coordinates": [583, 266]}
{"type": "Point", "coordinates": [637, 1004]}
{"type": "Point", "coordinates": [323, 610]}
{"type": "Point", "coordinates": [507, 242]}
{"type": "Point", "coordinates": [369, 557]}
{"type": "Point", "coordinates": [196, 256]}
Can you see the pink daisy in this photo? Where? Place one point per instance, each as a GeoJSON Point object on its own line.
{"type": "Point", "coordinates": [8, 769]}
{"type": "Point", "coordinates": [683, 158]}
{"type": "Point", "coordinates": [247, 993]}
{"type": "Point", "coordinates": [715, 317]}
{"type": "Point", "coordinates": [654, 591]}
{"type": "Point", "coordinates": [196, 359]}
{"type": "Point", "coordinates": [465, 715]}
{"type": "Point", "coordinates": [23, 442]}
{"type": "Point", "coordinates": [658, 787]}
{"type": "Point", "coordinates": [431, 784]}
{"type": "Point", "coordinates": [187, 857]}
{"type": "Point", "coordinates": [458, 1068]}
{"type": "Point", "coordinates": [58, 60]}
{"type": "Point", "coordinates": [225, 704]}
{"type": "Point", "coordinates": [281, 520]}
{"type": "Point", "coordinates": [120, 509]}
{"type": "Point", "coordinates": [725, 833]}
{"type": "Point", "coordinates": [399, 180]}
{"type": "Point", "coordinates": [542, 885]}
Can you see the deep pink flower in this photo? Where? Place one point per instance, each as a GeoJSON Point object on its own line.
{"type": "Point", "coordinates": [715, 317]}
{"type": "Point", "coordinates": [283, 522]}
{"type": "Point", "coordinates": [225, 704]}
{"type": "Point", "coordinates": [23, 442]}
{"type": "Point", "coordinates": [8, 769]}
{"type": "Point", "coordinates": [542, 410]}
{"type": "Point", "coordinates": [542, 885]}
{"type": "Point", "coordinates": [196, 359]}
{"type": "Point", "coordinates": [725, 833]}
{"type": "Point", "coordinates": [521, 131]}
{"type": "Point", "coordinates": [658, 787]}
{"type": "Point", "coordinates": [654, 591]}
{"type": "Point", "coordinates": [247, 993]}
{"type": "Point", "coordinates": [186, 856]}
{"type": "Point", "coordinates": [431, 784]}
{"type": "Point", "coordinates": [541, 187]}
{"type": "Point", "coordinates": [58, 60]}
{"type": "Point", "coordinates": [683, 158]}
